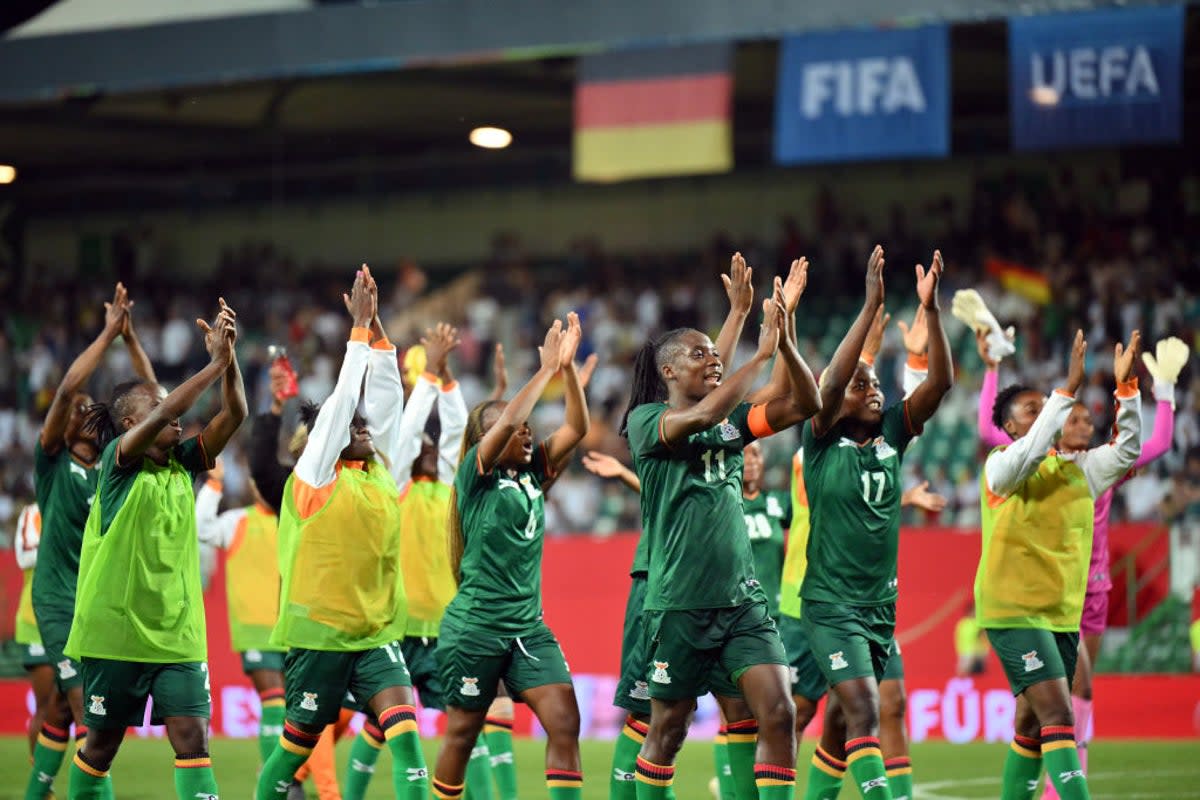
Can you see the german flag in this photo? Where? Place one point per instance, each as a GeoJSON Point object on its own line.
{"type": "Point", "coordinates": [653, 113]}
{"type": "Point", "coordinates": [1020, 279]}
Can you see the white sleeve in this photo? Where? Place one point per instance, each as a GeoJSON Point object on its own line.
{"type": "Point", "coordinates": [912, 379]}
{"type": "Point", "coordinates": [331, 430]}
{"type": "Point", "coordinates": [1105, 465]}
{"type": "Point", "coordinates": [29, 534]}
{"type": "Point", "coordinates": [412, 425]}
{"type": "Point", "coordinates": [1007, 469]}
{"type": "Point", "coordinates": [213, 528]}
{"type": "Point", "coordinates": [452, 413]}
{"type": "Point", "coordinates": [384, 405]}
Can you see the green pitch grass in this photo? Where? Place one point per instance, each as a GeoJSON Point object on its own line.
{"type": "Point", "coordinates": [1126, 770]}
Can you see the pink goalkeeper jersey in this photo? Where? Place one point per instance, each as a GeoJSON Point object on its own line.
{"type": "Point", "coordinates": [1099, 579]}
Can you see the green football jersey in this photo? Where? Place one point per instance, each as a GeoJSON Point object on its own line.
{"type": "Point", "coordinates": [65, 489]}
{"type": "Point", "coordinates": [768, 514]}
{"type": "Point", "coordinates": [854, 492]}
{"type": "Point", "coordinates": [139, 571]}
{"type": "Point", "coordinates": [503, 514]}
{"type": "Point", "coordinates": [695, 532]}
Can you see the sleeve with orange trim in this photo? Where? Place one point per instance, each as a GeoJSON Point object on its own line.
{"type": "Point", "coordinates": [452, 414]}
{"type": "Point", "coordinates": [1007, 469]}
{"type": "Point", "coordinates": [29, 534]}
{"type": "Point", "coordinates": [1105, 465]}
{"type": "Point", "coordinates": [383, 403]}
{"type": "Point", "coordinates": [644, 430]}
{"type": "Point", "coordinates": [412, 426]}
{"type": "Point", "coordinates": [213, 528]}
{"type": "Point", "coordinates": [916, 369]}
{"type": "Point", "coordinates": [330, 433]}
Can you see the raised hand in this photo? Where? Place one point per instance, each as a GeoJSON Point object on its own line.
{"type": "Point", "coordinates": [1123, 356]}
{"type": "Point", "coordinates": [985, 354]}
{"type": "Point", "coordinates": [602, 464]}
{"type": "Point", "coordinates": [927, 281]}
{"type": "Point", "coordinates": [116, 312]}
{"type": "Point", "coordinates": [439, 342]}
{"type": "Point", "coordinates": [875, 334]}
{"type": "Point", "coordinates": [499, 370]}
{"type": "Point", "coordinates": [875, 276]}
{"type": "Point", "coordinates": [570, 340]}
{"type": "Point", "coordinates": [738, 287]}
{"type": "Point", "coordinates": [916, 337]}
{"type": "Point", "coordinates": [220, 337]}
{"type": "Point", "coordinates": [550, 351]}
{"type": "Point", "coordinates": [793, 287]}
{"type": "Point", "coordinates": [920, 497]}
{"type": "Point", "coordinates": [1075, 373]}
{"type": "Point", "coordinates": [585, 371]}
{"type": "Point", "coordinates": [362, 302]}
{"type": "Point", "coordinates": [772, 326]}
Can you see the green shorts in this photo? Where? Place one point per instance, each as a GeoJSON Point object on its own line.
{"type": "Point", "coordinates": [807, 680]}
{"type": "Point", "coordinates": [420, 655]}
{"type": "Point", "coordinates": [894, 671]}
{"type": "Point", "coordinates": [849, 642]}
{"type": "Point", "coordinates": [318, 683]}
{"type": "Point", "coordinates": [34, 655]}
{"type": "Point", "coordinates": [473, 661]}
{"type": "Point", "coordinates": [253, 660]}
{"type": "Point", "coordinates": [54, 630]}
{"type": "Point", "coordinates": [702, 650]}
{"type": "Point", "coordinates": [1033, 655]}
{"type": "Point", "coordinates": [115, 692]}
{"type": "Point", "coordinates": [632, 693]}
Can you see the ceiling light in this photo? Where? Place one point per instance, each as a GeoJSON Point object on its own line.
{"type": "Point", "coordinates": [1044, 95]}
{"type": "Point", "coordinates": [8, 173]}
{"type": "Point", "coordinates": [491, 138]}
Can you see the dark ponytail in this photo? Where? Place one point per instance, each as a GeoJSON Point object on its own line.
{"type": "Point", "coordinates": [648, 385]}
{"type": "Point", "coordinates": [104, 419]}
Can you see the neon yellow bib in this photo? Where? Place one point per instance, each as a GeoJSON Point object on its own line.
{"type": "Point", "coordinates": [342, 585]}
{"type": "Point", "coordinates": [795, 561]}
{"type": "Point", "coordinates": [26, 628]}
{"type": "Point", "coordinates": [425, 555]}
{"type": "Point", "coordinates": [1036, 546]}
{"type": "Point", "coordinates": [252, 581]}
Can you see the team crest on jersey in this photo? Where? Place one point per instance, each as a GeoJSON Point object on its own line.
{"type": "Point", "coordinates": [1032, 662]}
{"type": "Point", "coordinates": [729, 432]}
{"type": "Point", "coordinates": [883, 449]}
{"type": "Point", "coordinates": [660, 672]}
{"type": "Point", "coordinates": [640, 690]}
{"type": "Point", "coordinates": [309, 703]}
{"type": "Point", "coordinates": [838, 661]}
{"type": "Point", "coordinates": [470, 687]}
{"type": "Point", "coordinates": [65, 670]}
{"type": "Point", "coordinates": [96, 706]}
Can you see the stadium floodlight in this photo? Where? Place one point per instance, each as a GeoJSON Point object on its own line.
{"type": "Point", "coordinates": [1044, 95]}
{"type": "Point", "coordinates": [491, 138]}
{"type": "Point", "coordinates": [8, 173]}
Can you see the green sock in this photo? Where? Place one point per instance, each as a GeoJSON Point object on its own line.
{"type": "Point", "coordinates": [295, 746]}
{"type": "Point", "coordinates": [361, 766]}
{"type": "Point", "coordinates": [270, 721]}
{"type": "Point", "coordinates": [1061, 758]}
{"type": "Point", "coordinates": [410, 779]}
{"type": "Point", "coordinates": [563, 784]}
{"type": "Point", "coordinates": [824, 777]}
{"type": "Point", "coordinates": [1022, 767]}
{"type": "Point", "coordinates": [622, 782]}
{"type": "Point", "coordinates": [479, 773]}
{"type": "Point", "coordinates": [48, 756]}
{"type": "Point", "coordinates": [653, 780]}
{"type": "Point", "coordinates": [743, 740]}
{"type": "Point", "coordinates": [87, 782]}
{"type": "Point", "coordinates": [899, 775]}
{"type": "Point", "coordinates": [775, 782]}
{"type": "Point", "coordinates": [866, 765]}
{"type": "Point", "coordinates": [194, 776]}
{"type": "Point", "coordinates": [721, 761]}
{"type": "Point", "coordinates": [498, 733]}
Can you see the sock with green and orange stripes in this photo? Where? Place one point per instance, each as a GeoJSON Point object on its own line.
{"type": "Point", "coordinates": [270, 721]}
{"type": "Point", "coordinates": [743, 740]}
{"type": "Point", "coordinates": [446, 791]}
{"type": "Point", "coordinates": [1062, 762]}
{"type": "Point", "coordinates": [498, 733]}
{"type": "Point", "coordinates": [194, 776]}
{"type": "Point", "coordinates": [865, 761]}
{"type": "Point", "coordinates": [479, 772]}
{"type": "Point", "coordinates": [825, 776]}
{"type": "Point", "coordinates": [81, 732]}
{"type": "Point", "coordinates": [364, 752]}
{"type": "Point", "coordinates": [564, 784]}
{"type": "Point", "coordinates": [1022, 767]}
{"type": "Point", "coordinates": [653, 780]}
{"type": "Point", "coordinates": [775, 782]}
{"type": "Point", "coordinates": [295, 746]}
{"type": "Point", "coordinates": [87, 781]}
{"type": "Point", "coordinates": [899, 775]}
{"type": "Point", "coordinates": [721, 762]}
{"type": "Point", "coordinates": [410, 779]}
{"type": "Point", "coordinates": [48, 756]}
{"type": "Point", "coordinates": [622, 784]}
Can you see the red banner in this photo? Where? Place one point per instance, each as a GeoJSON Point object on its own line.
{"type": "Point", "coordinates": [585, 581]}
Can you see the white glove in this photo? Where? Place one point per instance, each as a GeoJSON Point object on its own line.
{"type": "Point", "coordinates": [1170, 356]}
{"type": "Point", "coordinates": [969, 307]}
